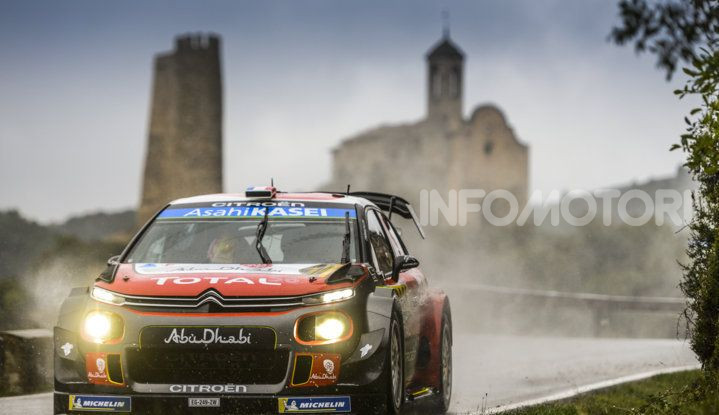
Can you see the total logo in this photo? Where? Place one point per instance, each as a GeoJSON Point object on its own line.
{"type": "Point", "coordinates": [214, 280]}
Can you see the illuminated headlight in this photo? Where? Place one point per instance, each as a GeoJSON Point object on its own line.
{"type": "Point", "coordinates": [323, 328]}
{"type": "Point", "coordinates": [105, 296]}
{"type": "Point", "coordinates": [330, 297]}
{"type": "Point", "coordinates": [102, 327]}
{"type": "Point", "coordinates": [329, 328]}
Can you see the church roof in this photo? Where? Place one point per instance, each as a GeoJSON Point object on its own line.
{"type": "Point", "coordinates": [445, 48]}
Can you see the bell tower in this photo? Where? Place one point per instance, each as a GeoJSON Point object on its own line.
{"type": "Point", "coordinates": [445, 67]}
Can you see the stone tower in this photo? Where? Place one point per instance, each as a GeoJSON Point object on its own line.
{"type": "Point", "coordinates": [184, 150]}
{"type": "Point", "coordinates": [445, 67]}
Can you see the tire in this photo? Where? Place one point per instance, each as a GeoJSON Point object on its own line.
{"type": "Point", "coordinates": [395, 366]}
{"type": "Point", "coordinates": [441, 401]}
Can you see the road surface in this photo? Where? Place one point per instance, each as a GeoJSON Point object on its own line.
{"type": "Point", "coordinates": [497, 370]}
{"type": "Point", "coordinates": [500, 370]}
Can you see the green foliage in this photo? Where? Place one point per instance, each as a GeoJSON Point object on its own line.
{"type": "Point", "coordinates": [701, 143]}
{"type": "Point", "coordinates": [688, 32]}
{"type": "Point", "coordinates": [21, 243]}
{"type": "Point", "coordinates": [678, 393]}
{"type": "Point", "coordinates": [69, 263]}
{"type": "Point", "coordinates": [99, 226]}
{"type": "Point", "coordinates": [15, 301]}
{"type": "Point", "coordinates": [697, 396]}
{"type": "Point", "coordinates": [672, 30]}
{"type": "Point", "coordinates": [40, 264]}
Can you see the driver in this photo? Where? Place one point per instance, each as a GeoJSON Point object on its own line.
{"type": "Point", "coordinates": [224, 249]}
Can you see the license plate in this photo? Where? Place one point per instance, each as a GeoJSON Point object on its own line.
{"type": "Point", "coordinates": [203, 402]}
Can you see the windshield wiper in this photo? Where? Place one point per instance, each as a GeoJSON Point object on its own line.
{"type": "Point", "coordinates": [261, 228]}
{"type": "Point", "coordinates": [346, 241]}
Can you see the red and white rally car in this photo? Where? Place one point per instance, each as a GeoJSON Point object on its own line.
{"type": "Point", "coordinates": [266, 302]}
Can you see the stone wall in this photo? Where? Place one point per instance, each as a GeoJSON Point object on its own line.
{"type": "Point", "coordinates": [25, 361]}
{"type": "Point", "coordinates": [487, 155]}
{"type": "Point", "coordinates": [482, 153]}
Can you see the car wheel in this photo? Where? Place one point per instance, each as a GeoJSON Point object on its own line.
{"type": "Point", "coordinates": [443, 398]}
{"type": "Point", "coordinates": [395, 367]}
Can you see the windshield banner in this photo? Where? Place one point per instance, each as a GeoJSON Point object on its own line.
{"type": "Point", "coordinates": [256, 212]}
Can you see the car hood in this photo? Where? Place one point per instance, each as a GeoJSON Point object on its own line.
{"type": "Point", "coordinates": [230, 280]}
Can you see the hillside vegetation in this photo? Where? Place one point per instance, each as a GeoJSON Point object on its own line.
{"type": "Point", "coordinates": [39, 264]}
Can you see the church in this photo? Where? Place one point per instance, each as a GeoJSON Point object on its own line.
{"type": "Point", "coordinates": [444, 150]}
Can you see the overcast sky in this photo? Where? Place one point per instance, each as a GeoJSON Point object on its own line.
{"type": "Point", "coordinates": [300, 76]}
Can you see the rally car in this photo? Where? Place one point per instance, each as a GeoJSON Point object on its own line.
{"type": "Point", "coordinates": [263, 302]}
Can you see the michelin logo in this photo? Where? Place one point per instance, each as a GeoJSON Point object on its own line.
{"type": "Point", "coordinates": [100, 403]}
{"type": "Point", "coordinates": [318, 404]}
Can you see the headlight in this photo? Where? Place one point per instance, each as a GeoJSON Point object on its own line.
{"type": "Point", "coordinates": [102, 327]}
{"type": "Point", "coordinates": [105, 296]}
{"type": "Point", "coordinates": [329, 328]}
{"type": "Point", "coordinates": [323, 328]}
{"type": "Point", "coordinates": [330, 296]}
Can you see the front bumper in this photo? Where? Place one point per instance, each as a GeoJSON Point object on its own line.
{"type": "Point", "coordinates": [360, 403]}
{"type": "Point", "coordinates": [359, 374]}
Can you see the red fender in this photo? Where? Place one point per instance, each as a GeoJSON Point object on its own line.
{"type": "Point", "coordinates": [428, 375]}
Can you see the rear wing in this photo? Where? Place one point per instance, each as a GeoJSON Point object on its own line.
{"type": "Point", "coordinates": [392, 204]}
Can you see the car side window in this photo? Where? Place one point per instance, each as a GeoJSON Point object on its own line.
{"type": "Point", "coordinates": [394, 240]}
{"type": "Point", "coordinates": [378, 240]}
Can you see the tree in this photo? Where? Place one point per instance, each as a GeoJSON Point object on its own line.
{"type": "Point", "coordinates": [672, 30]}
{"type": "Point", "coordinates": [687, 33]}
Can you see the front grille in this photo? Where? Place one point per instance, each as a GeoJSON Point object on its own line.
{"type": "Point", "coordinates": [114, 368]}
{"type": "Point", "coordinates": [302, 370]}
{"type": "Point", "coordinates": [212, 301]}
{"type": "Point", "coordinates": [159, 365]}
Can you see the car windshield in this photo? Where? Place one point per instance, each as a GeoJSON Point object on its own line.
{"type": "Point", "coordinates": [211, 236]}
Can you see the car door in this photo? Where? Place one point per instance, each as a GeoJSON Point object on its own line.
{"type": "Point", "coordinates": [415, 284]}
{"type": "Point", "coordinates": [386, 245]}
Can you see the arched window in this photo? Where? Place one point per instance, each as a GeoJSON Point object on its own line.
{"type": "Point", "coordinates": [445, 83]}
{"type": "Point", "coordinates": [436, 79]}
{"type": "Point", "coordinates": [488, 147]}
{"type": "Point", "coordinates": [453, 88]}
{"type": "Point", "coordinates": [457, 84]}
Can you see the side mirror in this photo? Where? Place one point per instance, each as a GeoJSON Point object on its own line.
{"type": "Point", "coordinates": [403, 263]}
{"type": "Point", "coordinates": [109, 273]}
{"type": "Point", "coordinates": [113, 261]}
